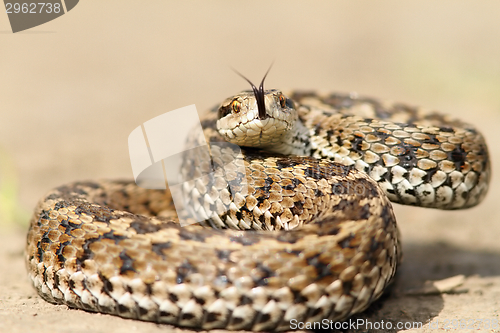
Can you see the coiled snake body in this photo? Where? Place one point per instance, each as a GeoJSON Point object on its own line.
{"type": "Point", "coordinates": [323, 240]}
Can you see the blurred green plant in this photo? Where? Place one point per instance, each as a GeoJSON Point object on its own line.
{"type": "Point", "coordinates": [11, 212]}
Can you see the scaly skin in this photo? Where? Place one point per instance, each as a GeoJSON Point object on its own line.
{"type": "Point", "coordinates": [323, 240]}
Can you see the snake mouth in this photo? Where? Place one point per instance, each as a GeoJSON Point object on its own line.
{"type": "Point", "coordinates": [259, 97]}
{"type": "Point", "coordinates": [259, 94]}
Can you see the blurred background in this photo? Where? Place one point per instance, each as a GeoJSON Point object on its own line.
{"type": "Point", "coordinates": [72, 90]}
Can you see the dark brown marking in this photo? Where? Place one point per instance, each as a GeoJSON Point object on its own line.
{"type": "Point", "coordinates": [223, 111]}
{"type": "Point", "coordinates": [184, 270]}
{"type": "Point", "coordinates": [159, 247]}
{"type": "Point", "coordinates": [457, 156]}
{"type": "Point", "coordinates": [142, 225]}
{"type": "Point", "coordinates": [127, 263]}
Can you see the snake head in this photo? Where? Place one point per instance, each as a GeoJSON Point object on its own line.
{"type": "Point", "coordinates": [257, 119]}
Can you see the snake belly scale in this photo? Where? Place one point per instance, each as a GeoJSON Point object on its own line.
{"type": "Point", "coordinates": [313, 236]}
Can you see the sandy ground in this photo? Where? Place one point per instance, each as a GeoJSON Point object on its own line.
{"type": "Point", "coordinates": [73, 89]}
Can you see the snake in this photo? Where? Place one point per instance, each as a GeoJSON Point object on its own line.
{"type": "Point", "coordinates": [297, 222]}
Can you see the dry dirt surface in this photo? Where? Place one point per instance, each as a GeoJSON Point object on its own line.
{"type": "Point", "coordinates": [73, 89]}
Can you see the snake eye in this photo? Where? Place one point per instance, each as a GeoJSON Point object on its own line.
{"type": "Point", "coordinates": [282, 100]}
{"type": "Point", "coordinates": [236, 106]}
